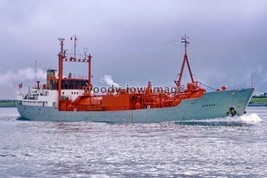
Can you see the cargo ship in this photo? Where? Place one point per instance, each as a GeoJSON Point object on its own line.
{"type": "Point", "coordinates": [74, 99]}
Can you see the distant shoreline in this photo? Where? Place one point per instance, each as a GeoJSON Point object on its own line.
{"type": "Point", "coordinates": [258, 101]}
{"type": "Point", "coordinates": [8, 103]}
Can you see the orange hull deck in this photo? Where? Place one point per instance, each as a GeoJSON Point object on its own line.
{"type": "Point", "coordinates": [129, 101]}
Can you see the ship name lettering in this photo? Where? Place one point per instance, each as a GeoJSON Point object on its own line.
{"type": "Point", "coordinates": [208, 105]}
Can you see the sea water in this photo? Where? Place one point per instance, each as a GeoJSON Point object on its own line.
{"type": "Point", "coordinates": [222, 147]}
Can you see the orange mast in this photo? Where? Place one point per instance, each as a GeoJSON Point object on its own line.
{"type": "Point", "coordinates": [178, 83]}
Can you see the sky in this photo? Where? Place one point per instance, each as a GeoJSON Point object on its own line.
{"type": "Point", "coordinates": [136, 41]}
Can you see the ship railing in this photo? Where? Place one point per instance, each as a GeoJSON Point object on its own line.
{"type": "Point", "coordinates": [240, 86]}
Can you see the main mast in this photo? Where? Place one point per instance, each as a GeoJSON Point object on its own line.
{"type": "Point", "coordinates": [74, 38]}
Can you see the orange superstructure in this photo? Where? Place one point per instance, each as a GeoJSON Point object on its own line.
{"type": "Point", "coordinates": [118, 99]}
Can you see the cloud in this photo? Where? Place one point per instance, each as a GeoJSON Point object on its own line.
{"type": "Point", "coordinates": [227, 44]}
{"type": "Point", "coordinates": [26, 74]}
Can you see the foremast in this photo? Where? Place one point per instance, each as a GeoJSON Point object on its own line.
{"type": "Point", "coordinates": [185, 61]}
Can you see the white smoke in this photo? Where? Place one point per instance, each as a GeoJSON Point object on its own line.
{"type": "Point", "coordinates": [9, 81]}
{"type": "Point", "coordinates": [22, 75]}
{"type": "Point", "coordinates": [108, 80]}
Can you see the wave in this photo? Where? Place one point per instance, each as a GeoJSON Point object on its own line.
{"type": "Point", "coordinates": [251, 118]}
{"type": "Point", "coordinates": [244, 120]}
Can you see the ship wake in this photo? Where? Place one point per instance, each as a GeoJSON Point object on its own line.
{"type": "Point", "coordinates": [244, 120]}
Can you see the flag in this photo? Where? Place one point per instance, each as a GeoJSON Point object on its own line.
{"type": "Point", "coordinates": [20, 85]}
